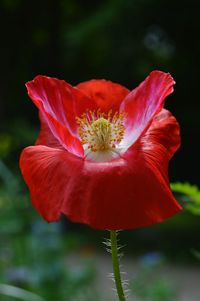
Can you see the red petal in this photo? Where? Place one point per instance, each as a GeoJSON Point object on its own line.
{"type": "Point", "coordinates": [165, 130]}
{"type": "Point", "coordinates": [143, 103]}
{"type": "Point", "coordinates": [46, 137]}
{"type": "Point", "coordinates": [48, 172]}
{"type": "Point", "coordinates": [59, 104]}
{"type": "Point", "coordinates": [105, 94]}
{"type": "Point", "coordinates": [126, 193]}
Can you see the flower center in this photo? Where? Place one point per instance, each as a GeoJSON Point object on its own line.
{"type": "Point", "coordinates": [100, 131]}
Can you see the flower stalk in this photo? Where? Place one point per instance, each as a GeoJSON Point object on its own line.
{"type": "Point", "coordinates": [116, 268]}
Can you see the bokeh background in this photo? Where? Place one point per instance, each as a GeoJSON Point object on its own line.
{"type": "Point", "coordinates": [76, 40]}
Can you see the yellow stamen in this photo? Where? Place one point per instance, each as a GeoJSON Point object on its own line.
{"type": "Point", "coordinates": [101, 131]}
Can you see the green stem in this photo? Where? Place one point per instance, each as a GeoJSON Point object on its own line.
{"type": "Point", "coordinates": [116, 269]}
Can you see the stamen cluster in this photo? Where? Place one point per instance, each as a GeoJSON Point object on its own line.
{"type": "Point", "coordinates": [101, 131]}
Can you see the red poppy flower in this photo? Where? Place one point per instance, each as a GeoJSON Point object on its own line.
{"type": "Point", "coordinates": [102, 154]}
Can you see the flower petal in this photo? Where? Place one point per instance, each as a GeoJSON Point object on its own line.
{"type": "Point", "coordinates": [59, 104]}
{"type": "Point", "coordinates": [143, 103]}
{"type": "Point", "coordinates": [48, 173]}
{"type": "Point", "coordinates": [126, 193]}
{"type": "Point", "coordinates": [46, 137]}
{"type": "Point", "coordinates": [164, 130]}
{"type": "Point", "coordinates": [105, 94]}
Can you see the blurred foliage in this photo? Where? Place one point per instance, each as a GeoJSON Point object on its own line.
{"type": "Point", "coordinates": [190, 194]}
{"type": "Point", "coordinates": [156, 290]}
{"type": "Point", "coordinates": [35, 255]}
{"type": "Point", "coordinates": [149, 285]}
{"type": "Point", "coordinates": [17, 293]}
{"type": "Point", "coordinates": [5, 144]}
{"type": "Point", "coordinates": [191, 197]}
{"type": "Point", "coordinates": [196, 253]}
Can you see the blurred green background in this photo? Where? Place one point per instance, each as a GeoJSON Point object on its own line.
{"type": "Point", "coordinates": [120, 40]}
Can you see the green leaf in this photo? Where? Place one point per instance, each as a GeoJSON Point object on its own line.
{"type": "Point", "coordinates": [18, 293]}
{"type": "Point", "coordinates": [192, 193]}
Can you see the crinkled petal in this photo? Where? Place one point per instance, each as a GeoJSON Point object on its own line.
{"type": "Point", "coordinates": [49, 174]}
{"type": "Point", "coordinates": [165, 130]}
{"type": "Point", "coordinates": [143, 103]}
{"type": "Point", "coordinates": [46, 137]}
{"type": "Point", "coordinates": [60, 104]}
{"type": "Point", "coordinates": [60, 100]}
{"type": "Point", "coordinates": [105, 94]}
{"type": "Point", "coordinates": [129, 192]}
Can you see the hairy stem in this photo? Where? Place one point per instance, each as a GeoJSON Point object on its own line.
{"type": "Point", "coordinates": [116, 268]}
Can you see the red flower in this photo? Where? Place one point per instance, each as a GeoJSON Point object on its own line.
{"type": "Point", "coordinates": [102, 154]}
